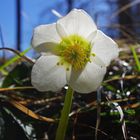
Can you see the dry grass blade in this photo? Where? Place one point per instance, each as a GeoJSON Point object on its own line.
{"type": "Point", "coordinates": [125, 7]}
{"type": "Point", "coordinates": [116, 105]}
{"type": "Point", "coordinates": [30, 112]}
{"type": "Point", "coordinates": [135, 105]}
{"type": "Point", "coordinates": [128, 77]}
{"type": "Point", "coordinates": [94, 104]}
{"type": "Point", "coordinates": [40, 101]}
{"type": "Point", "coordinates": [19, 54]}
{"type": "Point", "coordinates": [16, 88]}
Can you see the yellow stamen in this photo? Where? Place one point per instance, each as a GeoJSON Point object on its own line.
{"type": "Point", "coordinates": [75, 51]}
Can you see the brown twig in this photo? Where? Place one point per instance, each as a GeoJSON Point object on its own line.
{"type": "Point", "coordinates": [19, 54]}
{"type": "Point", "coordinates": [125, 8]}
{"type": "Point", "coordinates": [128, 77]}
{"type": "Point", "coordinates": [15, 88]}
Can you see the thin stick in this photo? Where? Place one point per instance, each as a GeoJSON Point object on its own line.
{"type": "Point", "coordinates": [19, 54]}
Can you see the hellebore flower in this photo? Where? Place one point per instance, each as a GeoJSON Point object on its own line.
{"type": "Point", "coordinates": [74, 51]}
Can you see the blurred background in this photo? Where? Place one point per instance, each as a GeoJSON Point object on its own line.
{"type": "Point", "coordinates": [117, 18]}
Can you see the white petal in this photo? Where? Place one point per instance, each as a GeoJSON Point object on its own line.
{"type": "Point", "coordinates": [97, 61]}
{"type": "Point", "coordinates": [87, 80]}
{"type": "Point", "coordinates": [45, 37]}
{"type": "Point", "coordinates": [105, 48]}
{"type": "Point", "coordinates": [76, 22]}
{"type": "Point", "coordinates": [47, 75]}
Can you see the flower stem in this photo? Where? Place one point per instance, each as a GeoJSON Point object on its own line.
{"type": "Point", "coordinates": [62, 127]}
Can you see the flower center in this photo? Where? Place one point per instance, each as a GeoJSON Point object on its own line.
{"type": "Point", "coordinates": [74, 50]}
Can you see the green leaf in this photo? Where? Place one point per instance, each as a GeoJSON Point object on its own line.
{"type": "Point", "coordinates": [14, 59]}
{"type": "Point", "coordinates": [136, 58]}
{"type": "Point", "coordinates": [17, 76]}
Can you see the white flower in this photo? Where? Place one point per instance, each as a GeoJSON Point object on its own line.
{"type": "Point", "coordinates": [74, 53]}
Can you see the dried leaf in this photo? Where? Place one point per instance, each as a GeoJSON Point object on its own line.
{"type": "Point", "coordinates": [30, 112]}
